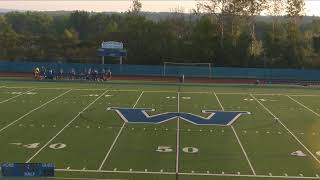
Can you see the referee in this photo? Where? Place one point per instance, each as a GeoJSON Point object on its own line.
{"type": "Point", "coordinates": [181, 80]}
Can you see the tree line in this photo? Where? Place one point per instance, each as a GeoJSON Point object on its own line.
{"type": "Point", "coordinates": [224, 32]}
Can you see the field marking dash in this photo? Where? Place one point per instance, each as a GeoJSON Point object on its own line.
{"type": "Point", "coordinates": [13, 122]}
{"type": "Point", "coordinates": [6, 100]}
{"type": "Point", "coordinates": [118, 135]}
{"type": "Point", "coordinates": [67, 125]}
{"type": "Point", "coordinates": [294, 136]}
{"type": "Point", "coordinates": [184, 173]}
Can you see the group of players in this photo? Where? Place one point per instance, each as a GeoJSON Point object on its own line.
{"type": "Point", "coordinates": [90, 74]}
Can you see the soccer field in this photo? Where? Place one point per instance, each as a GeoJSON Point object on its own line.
{"type": "Point", "coordinates": [82, 129]}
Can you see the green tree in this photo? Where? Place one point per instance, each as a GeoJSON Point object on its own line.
{"type": "Point", "coordinates": [8, 45]}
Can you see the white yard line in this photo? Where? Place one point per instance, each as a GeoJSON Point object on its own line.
{"type": "Point", "coordinates": [303, 106]}
{"type": "Point", "coordinates": [120, 131]}
{"type": "Point", "coordinates": [65, 127]}
{"type": "Point", "coordinates": [8, 125]}
{"type": "Point", "coordinates": [178, 136]}
{"type": "Point", "coordinates": [238, 139]}
{"type": "Point", "coordinates": [243, 150]}
{"type": "Point", "coordinates": [187, 174]}
{"type": "Point", "coordinates": [138, 99]}
{"type": "Point", "coordinates": [218, 100]}
{"type": "Point", "coordinates": [294, 136]}
{"type": "Point", "coordinates": [16, 96]}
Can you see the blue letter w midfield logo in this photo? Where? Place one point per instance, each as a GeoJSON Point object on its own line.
{"type": "Point", "coordinates": [137, 115]}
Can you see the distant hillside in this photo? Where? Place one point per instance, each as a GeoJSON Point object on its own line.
{"type": "Point", "coordinates": [158, 16]}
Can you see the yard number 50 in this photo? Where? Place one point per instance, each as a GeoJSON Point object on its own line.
{"type": "Point", "coordinates": [166, 149]}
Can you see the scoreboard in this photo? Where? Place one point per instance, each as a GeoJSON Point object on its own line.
{"type": "Point", "coordinates": [27, 169]}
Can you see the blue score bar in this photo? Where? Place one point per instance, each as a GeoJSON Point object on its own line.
{"type": "Point", "coordinates": [27, 169]}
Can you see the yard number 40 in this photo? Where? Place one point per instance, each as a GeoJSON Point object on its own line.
{"type": "Point", "coordinates": [166, 149]}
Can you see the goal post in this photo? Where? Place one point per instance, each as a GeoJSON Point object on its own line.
{"type": "Point", "coordinates": [187, 69]}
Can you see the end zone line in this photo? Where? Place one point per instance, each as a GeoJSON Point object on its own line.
{"type": "Point", "coordinates": [294, 136]}
{"type": "Point", "coordinates": [116, 138]}
{"type": "Point", "coordinates": [64, 127]}
{"type": "Point", "coordinates": [178, 136]}
{"type": "Point", "coordinates": [33, 110]}
{"type": "Point", "coordinates": [238, 139]}
{"type": "Point", "coordinates": [303, 105]}
{"type": "Point", "coordinates": [16, 96]}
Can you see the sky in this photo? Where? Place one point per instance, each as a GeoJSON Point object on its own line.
{"type": "Point", "coordinates": [312, 6]}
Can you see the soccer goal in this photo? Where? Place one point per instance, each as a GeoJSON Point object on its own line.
{"type": "Point", "coordinates": [187, 69]}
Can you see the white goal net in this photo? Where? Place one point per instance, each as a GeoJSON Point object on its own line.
{"type": "Point", "coordinates": [187, 69]}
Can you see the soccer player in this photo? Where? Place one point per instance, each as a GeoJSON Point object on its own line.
{"type": "Point", "coordinates": [181, 79]}
{"type": "Point", "coordinates": [50, 74]}
{"type": "Point", "coordinates": [73, 73]}
{"type": "Point", "coordinates": [36, 73]}
{"type": "Point", "coordinates": [102, 75]}
{"type": "Point", "coordinates": [109, 74]}
{"type": "Point", "coordinates": [61, 74]}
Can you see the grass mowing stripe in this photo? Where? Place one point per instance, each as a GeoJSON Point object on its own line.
{"type": "Point", "coordinates": [303, 106]}
{"type": "Point", "coordinates": [6, 100]}
{"type": "Point", "coordinates": [120, 131]}
{"type": "Point", "coordinates": [5, 127]}
{"type": "Point", "coordinates": [187, 174]}
{"type": "Point", "coordinates": [294, 136]}
{"type": "Point", "coordinates": [178, 138]}
{"type": "Point", "coordinates": [65, 127]}
{"type": "Point", "coordinates": [236, 135]}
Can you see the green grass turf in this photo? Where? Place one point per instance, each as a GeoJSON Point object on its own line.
{"type": "Point", "coordinates": [46, 126]}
